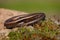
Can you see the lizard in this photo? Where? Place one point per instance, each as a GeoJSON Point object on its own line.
{"type": "Point", "coordinates": [28, 19]}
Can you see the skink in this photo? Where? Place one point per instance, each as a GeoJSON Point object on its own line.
{"type": "Point", "coordinates": [28, 19]}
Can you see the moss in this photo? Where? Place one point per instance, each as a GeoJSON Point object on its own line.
{"type": "Point", "coordinates": [45, 31]}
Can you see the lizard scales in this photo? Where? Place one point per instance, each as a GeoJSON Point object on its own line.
{"type": "Point", "coordinates": [28, 19]}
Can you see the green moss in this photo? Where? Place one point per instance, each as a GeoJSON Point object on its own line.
{"type": "Point", "coordinates": [43, 31]}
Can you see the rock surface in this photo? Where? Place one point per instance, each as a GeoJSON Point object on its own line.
{"type": "Point", "coordinates": [6, 13]}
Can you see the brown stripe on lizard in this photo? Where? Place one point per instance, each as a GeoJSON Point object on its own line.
{"type": "Point", "coordinates": [28, 19]}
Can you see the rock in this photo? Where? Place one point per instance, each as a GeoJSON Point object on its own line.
{"type": "Point", "coordinates": [4, 33]}
{"type": "Point", "coordinates": [4, 15]}
{"type": "Point", "coordinates": [7, 13]}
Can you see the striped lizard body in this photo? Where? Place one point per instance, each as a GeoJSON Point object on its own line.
{"type": "Point", "coordinates": [28, 19]}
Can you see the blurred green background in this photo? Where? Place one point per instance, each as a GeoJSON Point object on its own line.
{"type": "Point", "coordinates": [47, 6]}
